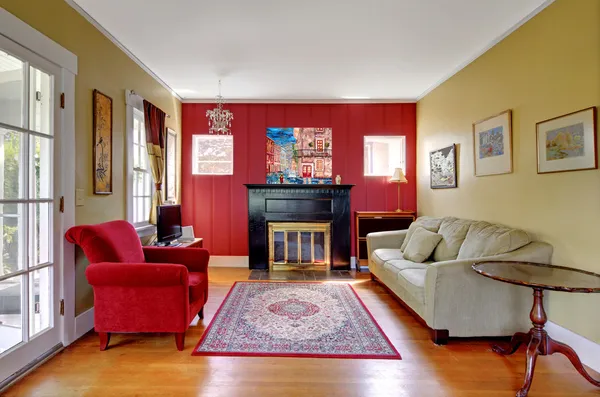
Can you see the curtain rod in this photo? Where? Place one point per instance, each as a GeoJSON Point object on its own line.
{"type": "Point", "coordinates": [166, 114]}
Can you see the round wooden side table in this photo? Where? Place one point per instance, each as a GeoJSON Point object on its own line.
{"type": "Point", "coordinates": [540, 277]}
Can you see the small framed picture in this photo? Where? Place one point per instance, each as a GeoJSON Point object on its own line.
{"type": "Point", "coordinates": [492, 144]}
{"type": "Point", "coordinates": [443, 168]}
{"type": "Point", "coordinates": [567, 143]}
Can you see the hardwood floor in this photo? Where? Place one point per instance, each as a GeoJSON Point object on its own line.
{"type": "Point", "coordinates": [150, 365]}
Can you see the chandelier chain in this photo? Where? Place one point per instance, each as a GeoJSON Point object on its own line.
{"type": "Point", "coordinates": [219, 119]}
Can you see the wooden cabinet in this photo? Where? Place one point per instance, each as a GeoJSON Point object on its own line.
{"type": "Point", "coordinates": [368, 221]}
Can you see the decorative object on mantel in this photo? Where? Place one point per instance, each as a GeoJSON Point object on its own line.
{"type": "Point", "coordinates": [219, 119]}
{"type": "Point", "coordinates": [443, 168]}
{"type": "Point", "coordinates": [398, 178]}
{"type": "Point", "coordinates": [492, 144]}
{"type": "Point", "coordinates": [299, 155]}
{"type": "Point", "coordinates": [338, 180]}
{"type": "Point", "coordinates": [567, 143]}
{"type": "Point", "coordinates": [102, 130]}
{"type": "Point", "coordinates": [275, 319]}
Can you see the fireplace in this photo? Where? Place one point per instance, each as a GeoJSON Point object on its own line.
{"type": "Point", "coordinates": [289, 225]}
{"type": "Point", "coordinates": [299, 245]}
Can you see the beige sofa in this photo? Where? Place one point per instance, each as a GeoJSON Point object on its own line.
{"type": "Point", "coordinates": [444, 291]}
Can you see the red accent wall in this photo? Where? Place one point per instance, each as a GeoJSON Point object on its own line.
{"type": "Point", "coordinates": [217, 205]}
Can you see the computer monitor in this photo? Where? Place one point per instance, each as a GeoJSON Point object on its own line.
{"type": "Point", "coordinates": [168, 223]}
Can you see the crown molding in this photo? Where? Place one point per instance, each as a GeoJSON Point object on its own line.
{"type": "Point", "coordinates": [301, 101]}
{"type": "Point", "coordinates": [120, 45]}
{"type": "Point", "coordinates": [485, 49]}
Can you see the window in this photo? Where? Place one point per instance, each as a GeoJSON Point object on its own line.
{"type": "Point", "coordinates": [383, 154]}
{"type": "Point", "coordinates": [212, 155]}
{"type": "Point", "coordinates": [170, 186]}
{"type": "Point", "coordinates": [142, 179]}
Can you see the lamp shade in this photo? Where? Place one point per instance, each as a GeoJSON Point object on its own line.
{"type": "Point", "coordinates": [398, 176]}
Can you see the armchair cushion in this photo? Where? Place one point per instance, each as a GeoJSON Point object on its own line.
{"type": "Point", "coordinates": [197, 285]}
{"type": "Point", "coordinates": [136, 274]}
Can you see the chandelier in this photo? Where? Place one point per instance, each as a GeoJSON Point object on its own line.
{"type": "Point", "coordinates": [219, 119]}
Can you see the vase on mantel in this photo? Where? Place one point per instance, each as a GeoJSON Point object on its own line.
{"type": "Point", "coordinates": [338, 180]}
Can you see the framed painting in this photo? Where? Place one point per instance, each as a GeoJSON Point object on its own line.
{"type": "Point", "coordinates": [492, 145]}
{"type": "Point", "coordinates": [171, 166]}
{"type": "Point", "coordinates": [102, 120]}
{"type": "Point", "coordinates": [443, 168]}
{"type": "Point", "coordinates": [567, 143]}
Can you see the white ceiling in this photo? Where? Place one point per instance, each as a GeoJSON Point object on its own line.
{"type": "Point", "coordinates": [307, 49]}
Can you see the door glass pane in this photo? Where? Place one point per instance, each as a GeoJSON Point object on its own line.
{"type": "Point", "coordinates": [11, 312]}
{"type": "Point", "coordinates": [11, 90]}
{"type": "Point", "coordinates": [12, 168]}
{"type": "Point", "coordinates": [14, 238]}
{"type": "Point", "coordinates": [41, 173]}
{"type": "Point", "coordinates": [40, 290]}
{"type": "Point", "coordinates": [305, 247]}
{"type": "Point", "coordinates": [42, 233]}
{"type": "Point", "coordinates": [40, 94]}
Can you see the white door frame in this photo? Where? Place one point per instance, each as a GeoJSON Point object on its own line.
{"type": "Point", "coordinates": [21, 34]}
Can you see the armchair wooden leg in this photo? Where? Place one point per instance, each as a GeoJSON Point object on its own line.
{"type": "Point", "coordinates": [104, 339]}
{"type": "Point", "coordinates": [201, 313]}
{"type": "Point", "coordinates": [180, 340]}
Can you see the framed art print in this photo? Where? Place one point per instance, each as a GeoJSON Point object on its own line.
{"type": "Point", "coordinates": [567, 143]}
{"type": "Point", "coordinates": [443, 168]}
{"type": "Point", "coordinates": [102, 120]}
{"type": "Point", "coordinates": [492, 145]}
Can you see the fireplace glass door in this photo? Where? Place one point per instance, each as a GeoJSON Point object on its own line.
{"type": "Point", "coordinates": [299, 245]}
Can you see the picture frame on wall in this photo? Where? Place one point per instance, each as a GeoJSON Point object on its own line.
{"type": "Point", "coordinates": [442, 163]}
{"type": "Point", "coordinates": [492, 145]}
{"type": "Point", "coordinates": [567, 142]}
{"type": "Point", "coordinates": [102, 141]}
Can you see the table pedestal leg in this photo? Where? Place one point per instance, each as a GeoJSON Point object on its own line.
{"type": "Point", "coordinates": [540, 344]}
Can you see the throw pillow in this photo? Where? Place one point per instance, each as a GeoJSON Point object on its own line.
{"type": "Point", "coordinates": [426, 222]}
{"type": "Point", "coordinates": [421, 245]}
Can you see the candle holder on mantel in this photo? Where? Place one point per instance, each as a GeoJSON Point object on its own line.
{"type": "Point", "coordinates": [398, 178]}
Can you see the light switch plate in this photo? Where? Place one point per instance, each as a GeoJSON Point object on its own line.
{"type": "Point", "coordinates": [79, 200]}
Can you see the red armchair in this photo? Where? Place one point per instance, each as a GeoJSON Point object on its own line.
{"type": "Point", "coordinates": [141, 289]}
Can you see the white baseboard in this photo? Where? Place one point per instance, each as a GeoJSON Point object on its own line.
{"type": "Point", "coordinates": [353, 262]}
{"type": "Point", "coordinates": [588, 351]}
{"type": "Point", "coordinates": [84, 322]}
{"type": "Point", "coordinates": [228, 261]}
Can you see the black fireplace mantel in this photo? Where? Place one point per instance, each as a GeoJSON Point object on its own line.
{"type": "Point", "coordinates": [298, 203]}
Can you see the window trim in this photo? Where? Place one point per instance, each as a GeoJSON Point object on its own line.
{"type": "Point", "coordinates": [134, 101]}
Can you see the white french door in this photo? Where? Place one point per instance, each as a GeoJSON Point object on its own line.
{"type": "Point", "coordinates": [30, 220]}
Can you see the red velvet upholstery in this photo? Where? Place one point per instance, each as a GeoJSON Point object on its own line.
{"type": "Point", "coordinates": [141, 289]}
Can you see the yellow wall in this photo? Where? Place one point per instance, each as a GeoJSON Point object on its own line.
{"type": "Point", "coordinates": [102, 66]}
{"type": "Point", "coordinates": [548, 67]}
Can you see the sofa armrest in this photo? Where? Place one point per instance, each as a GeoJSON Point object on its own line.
{"type": "Point", "coordinates": [195, 259]}
{"type": "Point", "coordinates": [390, 239]}
{"type": "Point", "coordinates": [136, 274]}
{"type": "Point", "coordinates": [455, 294]}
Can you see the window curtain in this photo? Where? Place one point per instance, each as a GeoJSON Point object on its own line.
{"type": "Point", "coordinates": [154, 119]}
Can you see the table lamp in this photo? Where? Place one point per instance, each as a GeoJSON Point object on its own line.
{"type": "Point", "coordinates": [398, 178]}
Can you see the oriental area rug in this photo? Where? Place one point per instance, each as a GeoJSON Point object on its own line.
{"type": "Point", "coordinates": [294, 320]}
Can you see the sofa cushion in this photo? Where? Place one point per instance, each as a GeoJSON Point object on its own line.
{"type": "Point", "coordinates": [421, 245]}
{"type": "Point", "coordinates": [486, 239]}
{"type": "Point", "coordinates": [382, 255]}
{"type": "Point", "coordinates": [397, 265]}
{"type": "Point", "coordinates": [426, 222]}
{"type": "Point", "coordinates": [413, 281]}
{"type": "Point", "coordinates": [453, 231]}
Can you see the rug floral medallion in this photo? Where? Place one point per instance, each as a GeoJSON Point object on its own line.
{"type": "Point", "coordinates": [294, 320]}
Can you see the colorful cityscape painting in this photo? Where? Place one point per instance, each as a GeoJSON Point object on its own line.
{"type": "Point", "coordinates": [299, 155]}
